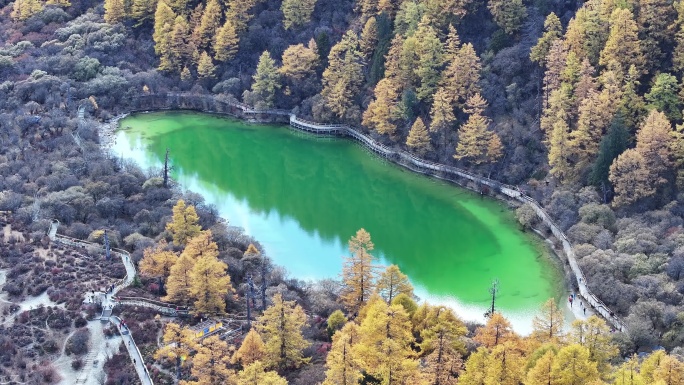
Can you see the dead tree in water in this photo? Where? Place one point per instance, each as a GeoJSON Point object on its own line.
{"type": "Point", "coordinates": [166, 168]}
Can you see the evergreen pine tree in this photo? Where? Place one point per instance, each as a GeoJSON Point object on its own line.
{"type": "Point", "coordinates": [296, 13]}
{"type": "Point", "coordinates": [266, 81]}
{"type": "Point", "coordinates": [508, 14]}
{"type": "Point", "coordinates": [552, 32]}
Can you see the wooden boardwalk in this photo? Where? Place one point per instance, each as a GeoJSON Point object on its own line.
{"type": "Point", "coordinates": [107, 300]}
{"type": "Point", "coordinates": [223, 105]}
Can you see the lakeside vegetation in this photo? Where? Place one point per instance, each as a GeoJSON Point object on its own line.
{"type": "Point", "coordinates": [578, 103]}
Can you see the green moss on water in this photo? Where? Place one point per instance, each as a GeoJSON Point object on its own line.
{"type": "Point", "coordinates": [303, 197]}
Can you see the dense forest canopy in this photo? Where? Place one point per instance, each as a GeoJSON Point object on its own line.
{"type": "Point", "coordinates": [577, 103]}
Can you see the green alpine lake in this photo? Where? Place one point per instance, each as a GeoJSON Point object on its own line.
{"type": "Point", "coordinates": [303, 197]}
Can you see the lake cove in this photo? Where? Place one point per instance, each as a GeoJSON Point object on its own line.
{"type": "Point", "coordinates": [303, 197]}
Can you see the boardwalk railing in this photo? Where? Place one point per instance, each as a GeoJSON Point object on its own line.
{"type": "Point", "coordinates": [168, 309]}
{"type": "Point", "coordinates": [210, 103]}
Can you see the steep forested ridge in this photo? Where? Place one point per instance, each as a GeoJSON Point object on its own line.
{"type": "Point", "coordinates": [578, 103]}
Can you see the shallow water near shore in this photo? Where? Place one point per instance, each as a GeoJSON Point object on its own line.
{"type": "Point", "coordinates": [303, 197]}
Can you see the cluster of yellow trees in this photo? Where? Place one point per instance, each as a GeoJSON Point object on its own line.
{"type": "Point", "coordinates": [592, 92]}
{"type": "Point", "coordinates": [276, 342]}
{"type": "Point", "coordinates": [392, 340]}
{"type": "Point", "coordinates": [196, 38]}
{"type": "Point", "coordinates": [196, 275]}
{"type": "Point", "coordinates": [442, 73]}
{"type": "Point", "coordinates": [23, 9]}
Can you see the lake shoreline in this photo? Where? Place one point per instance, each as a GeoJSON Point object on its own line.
{"type": "Point", "coordinates": [107, 131]}
{"type": "Point", "coordinates": [550, 268]}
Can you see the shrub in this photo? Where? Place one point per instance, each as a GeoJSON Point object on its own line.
{"type": "Point", "coordinates": [526, 216]}
{"type": "Point", "coordinates": [77, 364]}
{"type": "Point", "coordinates": [78, 343]}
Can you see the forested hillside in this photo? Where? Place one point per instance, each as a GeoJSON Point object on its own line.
{"type": "Point", "coordinates": [577, 103]}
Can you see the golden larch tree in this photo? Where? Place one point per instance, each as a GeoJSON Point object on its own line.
{"type": "Point", "coordinates": [369, 37]}
{"type": "Point", "coordinates": [343, 78]}
{"type": "Point", "coordinates": [393, 282]}
{"type": "Point", "coordinates": [163, 25]}
{"type": "Point", "coordinates": [628, 373]}
{"type": "Point", "coordinates": [476, 143]}
{"type": "Point", "coordinates": [208, 25]}
{"type": "Point", "coordinates": [461, 77]}
{"type": "Point", "coordinates": [654, 143]}
{"type": "Point", "coordinates": [157, 262]}
{"type": "Point", "coordinates": [541, 372]}
{"type": "Point", "coordinates": [505, 365]}
{"type": "Point", "coordinates": [630, 177]}
{"type": "Point", "coordinates": [442, 113]}
{"type": "Point", "coordinates": [381, 112]}
{"type": "Point", "coordinates": [418, 138]}
{"type": "Point", "coordinates": [210, 363]}
{"type": "Point", "coordinates": [209, 285]}
{"type": "Point", "coordinates": [572, 366]}
{"type": "Point", "coordinates": [383, 350]}
{"type": "Point", "coordinates": [357, 272]}
{"type": "Point", "coordinates": [180, 44]}
{"type": "Point", "coordinates": [201, 245]}
{"type": "Point", "coordinates": [638, 172]}
{"type": "Point", "coordinates": [475, 368]}
{"type": "Point", "coordinates": [670, 371]}
{"type": "Point", "coordinates": [227, 41]}
{"type": "Point", "coordinates": [443, 345]}
{"type": "Point", "coordinates": [547, 325]}
{"type": "Point", "coordinates": [23, 9]}
{"type": "Point", "coordinates": [452, 44]}
{"type": "Point", "coordinates": [178, 342]}
{"type": "Point", "coordinates": [184, 223]}
{"type": "Point", "coordinates": [342, 366]}
{"type": "Point", "coordinates": [179, 282]}
{"type": "Point", "coordinates": [115, 11]}
{"type": "Point", "coordinates": [205, 67]}
{"type": "Point", "coordinates": [650, 364]}
{"type": "Point", "coordinates": [623, 48]}
{"type": "Point", "coordinates": [496, 331]}
{"type": "Point", "coordinates": [256, 374]}
{"type": "Point", "coordinates": [299, 61]}
{"type": "Point", "coordinates": [560, 150]}
{"type": "Point", "coordinates": [251, 350]}
{"type": "Point", "coordinates": [594, 334]}
{"type": "Point", "coordinates": [281, 329]}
